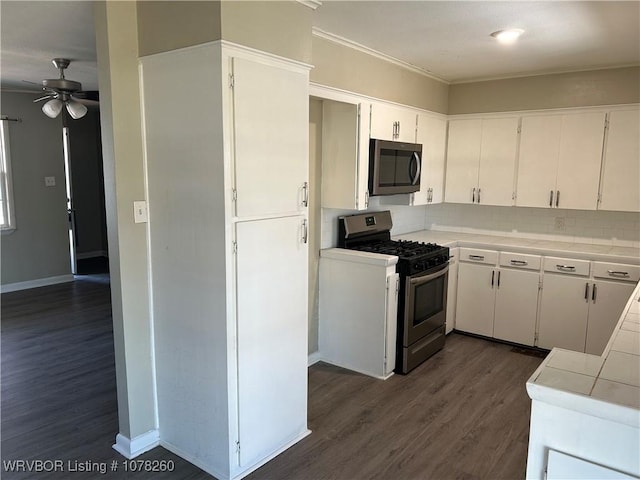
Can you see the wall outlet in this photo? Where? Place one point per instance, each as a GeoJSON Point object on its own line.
{"type": "Point", "coordinates": [49, 181]}
{"type": "Point", "coordinates": [140, 212]}
{"type": "Point", "coordinates": [558, 226]}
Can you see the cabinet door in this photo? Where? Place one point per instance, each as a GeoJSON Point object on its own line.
{"type": "Point", "coordinates": [538, 160]}
{"type": "Point", "coordinates": [271, 335]}
{"type": "Point", "coordinates": [498, 151]}
{"type": "Point", "coordinates": [579, 161]}
{"type": "Point", "coordinates": [621, 169]}
{"type": "Point", "coordinates": [270, 128]}
{"type": "Point", "coordinates": [608, 300]}
{"type": "Point", "coordinates": [476, 295]}
{"type": "Point", "coordinates": [393, 123]}
{"type": "Point", "coordinates": [516, 306]}
{"type": "Point", "coordinates": [432, 135]}
{"type": "Point", "coordinates": [463, 160]}
{"type": "Point", "coordinates": [563, 312]}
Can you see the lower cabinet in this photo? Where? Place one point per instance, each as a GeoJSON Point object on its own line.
{"type": "Point", "coordinates": [476, 298]}
{"type": "Point", "coordinates": [516, 306]}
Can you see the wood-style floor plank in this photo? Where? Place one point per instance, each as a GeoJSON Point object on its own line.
{"type": "Point", "coordinates": [464, 414]}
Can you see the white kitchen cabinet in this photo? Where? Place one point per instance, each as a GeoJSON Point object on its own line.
{"type": "Point", "coordinates": [481, 160]}
{"type": "Point", "coordinates": [607, 302]}
{"type": "Point", "coordinates": [621, 162]}
{"type": "Point", "coordinates": [227, 226]}
{"type": "Point", "coordinates": [393, 123]}
{"type": "Point", "coordinates": [559, 161]}
{"type": "Point", "coordinates": [345, 155]}
{"type": "Point", "coordinates": [563, 312]}
{"type": "Point", "coordinates": [452, 290]}
{"type": "Point", "coordinates": [353, 333]}
{"type": "Point", "coordinates": [432, 135]}
{"type": "Point", "coordinates": [497, 302]}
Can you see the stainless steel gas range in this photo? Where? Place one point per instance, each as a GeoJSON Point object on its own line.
{"type": "Point", "coordinates": [422, 293]}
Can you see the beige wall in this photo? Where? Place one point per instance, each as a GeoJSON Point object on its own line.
{"type": "Point", "coordinates": [165, 26]}
{"type": "Point", "coordinates": [342, 67]}
{"type": "Point", "coordinates": [578, 89]}
{"type": "Point", "coordinates": [117, 49]}
{"type": "Point", "coordinates": [281, 28]}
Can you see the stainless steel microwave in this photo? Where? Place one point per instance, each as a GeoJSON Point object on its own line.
{"type": "Point", "coordinates": [394, 167]}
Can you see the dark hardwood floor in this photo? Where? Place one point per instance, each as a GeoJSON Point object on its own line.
{"type": "Point", "coordinates": [464, 414]}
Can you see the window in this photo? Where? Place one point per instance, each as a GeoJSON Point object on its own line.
{"type": "Point", "coordinates": [7, 218]}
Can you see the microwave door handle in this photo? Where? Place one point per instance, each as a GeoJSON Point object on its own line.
{"type": "Point", "coordinates": [415, 179]}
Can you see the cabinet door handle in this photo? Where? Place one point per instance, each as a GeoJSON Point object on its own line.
{"type": "Point", "coordinates": [615, 273]}
{"type": "Point", "coordinates": [557, 198]}
{"type": "Point", "coordinates": [493, 275]}
{"type": "Point", "coordinates": [473, 195]}
{"type": "Point", "coordinates": [566, 268]}
{"type": "Point", "coordinates": [476, 257]}
{"type": "Point", "coordinates": [586, 292]}
{"type": "Point", "coordinates": [366, 199]}
{"type": "Point", "coordinates": [519, 262]}
{"type": "Point", "coordinates": [305, 194]}
{"type": "Point", "coordinates": [499, 272]}
{"type": "Point", "coordinates": [551, 198]}
{"type": "Point", "coordinates": [398, 133]}
{"type": "Point", "coordinates": [594, 293]}
{"type": "Point", "coordinates": [478, 195]}
{"type": "Point", "coordinates": [305, 231]}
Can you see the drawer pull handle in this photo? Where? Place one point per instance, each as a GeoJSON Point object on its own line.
{"type": "Point", "coordinates": [566, 268]}
{"type": "Point", "coordinates": [615, 273]}
{"type": "Point", "coordinates": [476, 257]}
{"type": "Point", "coordinates": [519, 262]}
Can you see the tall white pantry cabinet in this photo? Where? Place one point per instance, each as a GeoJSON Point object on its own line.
{"type": "Point", "coordinates": [226, 146]}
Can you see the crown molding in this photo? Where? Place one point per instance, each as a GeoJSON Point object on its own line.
{"type": "Point", "coordinates": [370, 51]}
{"type": "Point", "coordinates": [312, 4]}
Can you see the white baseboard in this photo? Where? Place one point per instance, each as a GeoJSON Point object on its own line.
{"type": "Point", "coordinates": [195, 461]}
{"type": "Point", "coordinates": [94, 254]}
{"type": "Point", "coordinates": [38, 282]}
{"type": "Point", "coordinates": [313, 358]}
{"type": "Point", "coordinates": [131, 448]}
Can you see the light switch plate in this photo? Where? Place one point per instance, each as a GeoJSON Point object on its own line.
{"type": "Point", "coordinates": [49, 181]}
{"type": "Point", "coordinates": [140, 212]}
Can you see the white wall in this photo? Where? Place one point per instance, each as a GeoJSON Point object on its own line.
{"type": "Point", "coordinates": [582, 226]}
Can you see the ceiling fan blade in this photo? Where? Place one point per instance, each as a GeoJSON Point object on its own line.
{"type": "Point", "coordinates": [33, 83]}
{"type": "Point", "coordinates": [89, 98]}
{"type": "Point", "coordinates": [46, 97]}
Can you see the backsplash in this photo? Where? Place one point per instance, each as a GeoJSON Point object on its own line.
{"type": "Point", "coordinates": [593, 227]}
{"type": "Point", "coordinates": [601, 228]}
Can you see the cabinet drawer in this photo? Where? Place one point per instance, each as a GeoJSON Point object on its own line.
{"type": "Point", "coordinates": [616, 271]}
{"type": "Point", "coordinates": [476, 255]}
{"type": "Point", "coordinates": [569, 266]}
{"type": "Point", "coordinates": [520, 260]}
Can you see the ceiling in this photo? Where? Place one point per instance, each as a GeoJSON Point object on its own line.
{"type": "Point", "coordinates": [448, 39]}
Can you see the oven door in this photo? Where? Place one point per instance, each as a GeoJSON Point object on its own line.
{"type": "Point", "coordinates": [425, 304]}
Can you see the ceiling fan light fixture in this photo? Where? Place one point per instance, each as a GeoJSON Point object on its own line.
{"type": "Point", "coordinates": [76, 109]}
{"type": "Point", "coordinates": [508, 35]}
{"type": "Point", "coordinates": [52, 108]}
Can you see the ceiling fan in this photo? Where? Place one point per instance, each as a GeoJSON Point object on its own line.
{"type": "Point", "coordinates": [61, 92]}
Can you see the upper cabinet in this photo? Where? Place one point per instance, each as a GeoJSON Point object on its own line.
{"type": "Point", "coordinates": [621, 162]}
{"type": "Point", "coordinates": [560, 158]}
{"type": "Point", "coordinates": [432, 135]}
{"type": "Point", "coordinates": [345, 154]}
{"type": "Point", "coordinates": [260, 109]}
{"type": "Point", "coordinates": [393, 123]}
{"type": "Point", "coordinates": [481, 160]}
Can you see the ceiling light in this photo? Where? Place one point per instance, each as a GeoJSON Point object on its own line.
{"type": "Point", "coordinates": [76, 109]}
{"type": "Point", "coordinates": [52, 108]}
{"type": "Point", "coordinates": [509, 35]}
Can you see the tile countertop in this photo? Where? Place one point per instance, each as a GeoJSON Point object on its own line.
{"type": "Point", "coordinates": [584, 251]}
{"type": "Point", "coordinates": [606, 386]}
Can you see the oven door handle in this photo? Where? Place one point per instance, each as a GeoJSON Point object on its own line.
{"type": "Point", "coordinates": [416, 177]}
{"type": "Point", "coordinates": [427, 278]}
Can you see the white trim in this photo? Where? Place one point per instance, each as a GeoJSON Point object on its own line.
{"type": "Point", "coordinates": [545, 111]}
{"type": "Point", "coordinates": [374, 53]}
{"type": "Point", "coordinates": [93, 254]}
{"type": "Point", "coordinates": [38, 282]}
{"type": "Point", "coordinates": [314, 358]}
{"type": "Point", "coordinates": [312, 4]}
{"type": "Point", "coordinates": [137, 446]}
